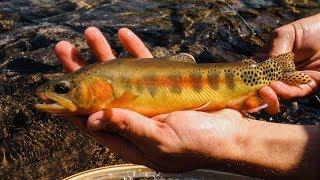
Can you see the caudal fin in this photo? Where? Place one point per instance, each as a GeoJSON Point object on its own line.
{"type": "Point", "coordinates": [290, 75]}
{"type": "Point", "coordinates": [295, 78]}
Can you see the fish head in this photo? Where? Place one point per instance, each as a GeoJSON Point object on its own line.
{"type": "Point", "coordinates": [75, 94]}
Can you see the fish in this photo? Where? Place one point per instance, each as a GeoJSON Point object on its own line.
{"type": "Point", "coordinates": [163, 85]}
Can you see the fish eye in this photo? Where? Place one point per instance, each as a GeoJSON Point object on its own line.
{"type": "Point", "coordinates": [62, 87]}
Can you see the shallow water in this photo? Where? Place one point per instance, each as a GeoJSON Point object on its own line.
{"type": "Point", "coordinates": [34, 144]}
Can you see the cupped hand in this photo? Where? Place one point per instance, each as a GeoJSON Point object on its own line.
{"type": "Point", "coordinates": [301, 37]}
{"type": "Point", "coordinates": [168, 142]}
{"type": "Point", "coordinates": [174, 142]}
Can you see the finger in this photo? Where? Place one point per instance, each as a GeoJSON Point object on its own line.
{"type": "Point", "coordinates": [120, 146]}
{"type": "Point", "coordinates": [98, 44]}
{"type": "Point", "coordinates": [78, 121]}
{"type": "Point", "coordinates": [271, 99]}
{"type": "Point", "coordinates": [69, 56]}
{"type": "Point", "coordinates": [133, 44]}
{"type": "Point", "coordinates": [116, 144]}
{"type": "Point", "coordinates": [289, 92]}
{"type": "Point", "coordinates": [315, 75]}
{"type": "Point", "coordinates": [310, 65]}
{"type": "Point", "coordinates": [286, 39]}
{"type": "Point", "coordinates": [128, 124]}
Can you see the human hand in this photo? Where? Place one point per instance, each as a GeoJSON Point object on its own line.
{"type": "Point", "coordinates": [174, 142]}
{"type": "Point", "coordinates": [223, 140]}
{"type": "Point", "coordinates": [302, 38]}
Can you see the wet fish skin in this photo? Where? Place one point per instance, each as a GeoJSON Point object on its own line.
{"type": "Point", "coordinates": [156, 86]}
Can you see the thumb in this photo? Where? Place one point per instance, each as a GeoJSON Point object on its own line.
{"type": "Point", "coordinates": [126, 123]}
{"type": "Point", "coordinates": [281, 41]}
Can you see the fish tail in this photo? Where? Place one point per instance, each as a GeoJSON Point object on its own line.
{"type": "Point", "coordinates": [290, 75]}
{"type": "Point", "coordinates": [295, 78]}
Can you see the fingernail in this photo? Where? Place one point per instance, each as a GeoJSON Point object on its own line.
{"type": "Point", "coordinates": [130, 33]}
{"type": "Point", "coordinates": [96, 125]}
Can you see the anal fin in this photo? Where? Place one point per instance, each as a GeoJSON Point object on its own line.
{"type": "Point", "coordinates": [250, 103]}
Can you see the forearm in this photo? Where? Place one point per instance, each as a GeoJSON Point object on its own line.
{"type": "Point", "coordinates": [281, 149]}
{"type": "Point", "coordinates": [270, 150]}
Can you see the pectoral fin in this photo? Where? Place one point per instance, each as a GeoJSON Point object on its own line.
{"type": "Point", "coordinates": [126, 98]}
{"type": "Point", "coordinates": [183, 57]}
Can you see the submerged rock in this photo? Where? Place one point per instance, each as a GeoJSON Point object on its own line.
{"type": "Point", "coordinates": [38, 145]}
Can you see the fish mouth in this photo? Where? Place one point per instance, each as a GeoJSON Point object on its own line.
{"type": "Point", "coordinates": [55, 104]}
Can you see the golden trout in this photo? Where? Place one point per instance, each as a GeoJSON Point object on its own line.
{"type": "Point", "coordinates": [157, 86]}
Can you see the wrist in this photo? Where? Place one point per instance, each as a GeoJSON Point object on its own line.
{"type": "Point", "coordinates": [281, 149]}
{"type": "Point", "coordinates": [228, 142]}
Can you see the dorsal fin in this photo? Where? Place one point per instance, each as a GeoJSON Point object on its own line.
{"type": "Point", "coordinates": [183, 57]}
{"type": "Point", "coordinates": [248, 60]}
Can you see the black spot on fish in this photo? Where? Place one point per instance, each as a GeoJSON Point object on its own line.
{"type": "Point", "coordinates": [250, 78]}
